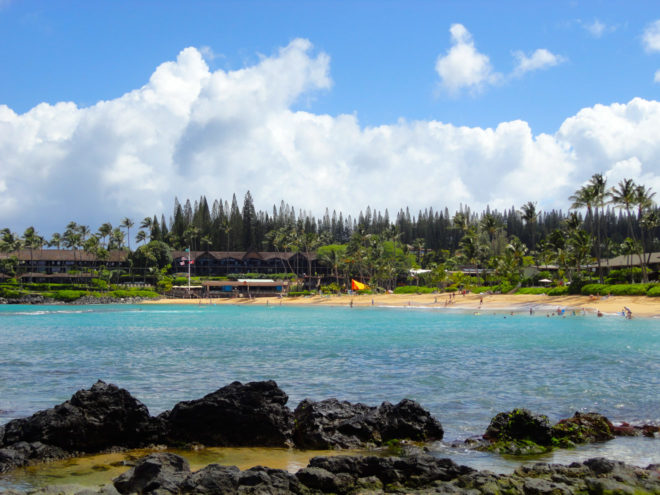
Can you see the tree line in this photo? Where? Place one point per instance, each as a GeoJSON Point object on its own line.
{"type": "Point", "coordinates": [603, 221]}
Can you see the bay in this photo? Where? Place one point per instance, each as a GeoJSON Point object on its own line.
{"type": "Point", "coordinates": [463, 367]}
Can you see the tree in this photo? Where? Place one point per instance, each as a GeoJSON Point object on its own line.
{"type": "Point", "coordinates": [624, 197]}
{"type": "Point", "coordinates": [148, 223]}
{"type": "Point", "coordinates": [154, 255]}
{"type": "Point", "coordinates": [32, 241]}
{"type": "Point", "coordinates": [55, 240]}
{"type": "Point", "coordinates": [141, 236]}
{"type": "Point", "coordinates": [332, 256]}
{"type": "Point", "coordinates": [644, 201]}
{"type": "Point", "coordinates": [530, 216]}
{"type": "Point", "coordinates": [127, 223]}
{"type": "Point", "coordinates": [105, 231]}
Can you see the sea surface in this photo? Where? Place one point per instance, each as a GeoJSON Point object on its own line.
{"type": "Point", "coordinates": [463, 367]}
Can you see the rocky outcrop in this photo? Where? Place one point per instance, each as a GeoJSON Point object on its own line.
{"type": "Point", "coordinates": [92, 420]}
{"type": "Point", "coordinates": [156, 473]}
{"type": "Point", "coordinates": [254, 414]}
{"type": "Point", "coordinates": [164, 473]}
{"type": "Point", "coordinates": [339, 424]}
{"type": "Point", "coordinates": [520, 432]}
{"type": "Point", "coordinates": [22, 453]}
{"type": "Point", "coordinates": [517, 432]}
{"type": "Point", "coordinates": [583, 428]}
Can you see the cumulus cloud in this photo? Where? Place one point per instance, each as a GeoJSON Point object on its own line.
{"type": "Point", "coordinates": [651, 37]}
{"type": "Point", "coordinates": [463, 66]}
{"type": "Point", "coordinates": [190, 131]}
{"type": "Point", "coordinates": [540, 59]}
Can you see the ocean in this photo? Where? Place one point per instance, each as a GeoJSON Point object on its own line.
{"type": "Point", "coordinates": [463, 367]}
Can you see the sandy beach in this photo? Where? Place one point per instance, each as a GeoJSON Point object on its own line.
{"type": "Point", "coordinates": [641, 306]}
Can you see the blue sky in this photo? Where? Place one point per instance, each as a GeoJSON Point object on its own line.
{"type": "Point", "coordinates": [388, 66]}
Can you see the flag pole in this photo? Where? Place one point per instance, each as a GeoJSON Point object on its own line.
{"type": "Point", "coordinates": [188, 251]}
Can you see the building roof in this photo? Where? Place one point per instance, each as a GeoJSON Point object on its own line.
{"type": "Point", "coordinates": [77, 255]}
{"type": "Point", "coordinates": [625, 260]}
{"type": "Point", "coordinates": [240, 255]}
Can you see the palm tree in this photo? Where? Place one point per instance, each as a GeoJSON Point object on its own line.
{"type": "Point", "coordinates": [333, 257]}
{"type": "Point", "coordinates": [31, 240]}
{"type": "Point", "coordinates": [141, 236]}
{"type": "Point", "coordinates": [624, 197]}
{"type": "Point", "coordinates": [116, 239]}
{"type": "Point", "coordinates": [580, 244]}
{"type": "Point", "coordinates": [84, 231]}
{"type": "Point", "coordinates": [104, 231]}
{"type": "Point", "coordinates": [147, 223]}
{"type": "Point", "coordinates": [55, 240]}
{"type": "Point", "coordinates": [127, 223]}
{"type": "Point", "coordinates": [585, 197]}
{"type": "Point", "coordinates": [644, 201]}
{"type": "Point", "coordinates": [598, 185]}
{"type": "Point", "coordinates": [530, 216]}
{"type": "Point", "coordinates": [491, 226]}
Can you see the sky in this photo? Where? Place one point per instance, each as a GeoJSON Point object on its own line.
{"type": "Point", "coordinates": [112, 108]}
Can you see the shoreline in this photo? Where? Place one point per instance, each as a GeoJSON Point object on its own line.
{"type": "Point", "coordinates": [640, 306]}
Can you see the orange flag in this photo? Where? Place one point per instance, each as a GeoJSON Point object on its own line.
{"type": "Point", "coordinates": [355, 285]}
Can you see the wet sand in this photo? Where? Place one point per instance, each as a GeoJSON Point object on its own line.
{"type": "Point", "coordinates": [641, 306]}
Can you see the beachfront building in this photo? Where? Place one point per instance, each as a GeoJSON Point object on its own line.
{"type": "Point", "coordinates": [51, 264]}
{"type": "Point", "coordinates": [244, 288]}
{"type": "Point", "coordinates": [217, 263]}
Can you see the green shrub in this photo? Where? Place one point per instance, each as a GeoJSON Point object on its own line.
{"type": "Point", "coordinates": [617, 289]}
{"type": "Point", "coordinates": [558, 291]}
{"type": "Point", "coordinates": [299, 293]}
{"type": "Point", "coordinates": [68, 295]}
{"type": "Point", "coordinates": [480, 289]}
{"type": "Point", "coordinates": [126, 293]}
{"type": "Point", "coordinates": [654, 291]}
{"type": "Point", "coordinates": [332, 288]}
{"type": "Point", "coordinates": [99, 284]}
{"type": "Point", "coordinates": [413, 289]}
{"type": "Point", "coordinates": [537, 291]}
{"type": "Point", "coordinates": [629, 289]}
{"type": "Point", "coordinates": [10, 293]}
{"type": "Point", "coordinates": [595, 289]}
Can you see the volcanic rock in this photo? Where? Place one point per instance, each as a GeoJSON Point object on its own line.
{"type": "Point", "coordinates": [339, 424]}
{"type": "Point", "coordinates": [253, 414]}
{"type": "Point", "coordinates": [156, 473]}
{"type": "Point", "coordinates": [92, 420]}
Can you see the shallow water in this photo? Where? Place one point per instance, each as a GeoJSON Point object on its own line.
{"type": "Point", "coordinates": [97, 470]}
{"type": "Point", "coordinates": [463, 368]}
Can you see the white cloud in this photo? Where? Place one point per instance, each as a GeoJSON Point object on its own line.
{"type": "Point", "coordinates": [190, 131]}
{"type": "Point", "coordinates": [656, 77]}
{"type": "Point", "coordinates": [463, 66]}
{"type": "Point", "coordinates": [651, 37]}
{"type": "Point", "coordinates": [540, 59]}
{"type": "Point", "coordinates": [596, 28]}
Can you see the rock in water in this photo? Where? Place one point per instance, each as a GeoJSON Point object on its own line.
{"type": "Point", "coordinates": [584, 428]}
{"type": "Point", "coordinates": [520, 424]}
{"type": "Point", "coordinates": [408, 420]}
{"type": "Point", "coordinates": [254, 414]}
{"type": "Point", "coordinates": [92, 420]}
{"type": "Point", "coordinates": [158, 473]}
{"type": "Point", "coordinates": [339, 424]}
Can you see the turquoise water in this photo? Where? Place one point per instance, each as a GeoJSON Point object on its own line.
{"type": "Point", "coordinates": [462, 367]}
